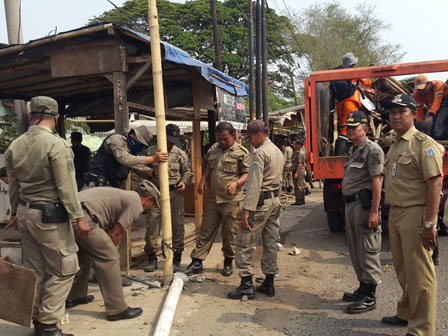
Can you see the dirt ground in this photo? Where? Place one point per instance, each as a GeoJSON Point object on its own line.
{"type": "Point", "coordinates": [308, 292]}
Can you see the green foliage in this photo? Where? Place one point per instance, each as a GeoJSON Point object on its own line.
{"type": "Point", "coordinates": [73, 126]}
{"type": "Point", "coordinates": [8, 131]}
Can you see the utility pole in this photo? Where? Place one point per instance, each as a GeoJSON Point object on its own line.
{"type": "Point", "coordinates": [253, 114]}
{"type": "Point", "coordinates": [258, 91]}
{"type": "Point", "coordinates": [293, 86]}
{"type": "Point", "coordinates": [217, 63]}
{"type": "Point", "coordinates": [265, 64]}
{"type": "Point", "coordinates": [15, 36]}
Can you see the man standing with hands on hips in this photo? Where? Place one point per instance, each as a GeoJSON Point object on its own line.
{"type": "Point", "coordinates": [413, 180]}
{"type": "Point", "coordinates": [260, 214]}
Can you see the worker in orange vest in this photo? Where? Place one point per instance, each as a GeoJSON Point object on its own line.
{"type": "Point", "coordinates": [348, 99]}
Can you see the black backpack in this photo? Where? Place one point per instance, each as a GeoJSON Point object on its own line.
{"type": "Point", "coordinates": [342, 89]}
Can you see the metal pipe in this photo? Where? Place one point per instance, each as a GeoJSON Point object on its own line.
{"type": "Point", "coordinates": [13, 22]}
{"type": "Point", "coordinates": [264, 52]}
{"type": "Point", "coordinates": [251, 64]}
{"type": "Point", "coordinates": [217, 63]}
{"type": "Point", "coordinates": [258, 64]}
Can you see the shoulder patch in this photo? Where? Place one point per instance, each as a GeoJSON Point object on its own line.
{"type": "Point", "coordinates": [255, 164]}
{"type": "Point", "coordinates": [420, 136]}
{"type": "Point", "coordinates": [430, 151]}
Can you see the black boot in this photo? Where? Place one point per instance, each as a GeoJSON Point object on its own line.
{"type": "Point", "coordinates": [307, 191]}
{"type": "Point", "coordinates": [176, 261]}
{"type": "Point", "coordinates": [356, 295]}
{"type": "Point", "coordinates": [195, 267]}
{"type": "Point", "coordinates": [366, 303]}
{"type": "Point", "coordinates": [227, 269]}
{"type": "Point", "coordinates": [267, 287]}
{"type": "Point", "coordinates": [41, 329]}
{"type": "Point", "coordinates": [246, 288]}
{"type": "Point", "coordinates": [152, 263]}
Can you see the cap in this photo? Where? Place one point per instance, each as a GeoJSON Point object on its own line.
{"type": "Point", "coordinates": [299, 141]}
{"type": "Point", "coordinates": [420, 81]}
{"type": "Point", "coordinates": [172, 133]}
{"type": "Point", "coordinates": [356, 118]}
{"type": "Point", "coordinates": [255, 126]}
{"type": "Point", "coordinates": [42, 104]}
{"type": "Point", "coordinates": [146, 188]}
{"type": "Point", "coordinates": [349, 59]}
{"type": "Point", "coordinates": [76, 136]}
{"type": "Point", "coordinates": [403, 100]}
{"type": "Point", "coordinates": [143, 134]}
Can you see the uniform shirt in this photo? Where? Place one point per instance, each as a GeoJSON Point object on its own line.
{"type": "Point", "coordinates": [432, 99]}
{"type": "Point", "coordinates": [364, 162]}
{"type": "Point", "coordinates": [41, 170]}
{"type": "Point", "coordinates": [412, 160]}
{"type": "Point", "coordinates": [177, 162]}
{"type": "Point", "coordinates": [117, 145]}
{"type": "Point", "coordinates": [288, 154]}
{"type": "Point", "coordinates": [82, 159]}
{"type": "Point", "coordinates": [226, 165]}
{"type": "Point", "coordinates": [265, 173]}
{"type": "Point", "coordinates": [111, 206]}
{"type": "Point", "coordinates": [299, 157]}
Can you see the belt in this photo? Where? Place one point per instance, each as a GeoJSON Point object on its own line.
{"type": "Point", "coordinates": [32, 205]}
{"type": "Point", "coordinates": [173, 187]}
{"type": "Point", "coordinates": [269, 194]}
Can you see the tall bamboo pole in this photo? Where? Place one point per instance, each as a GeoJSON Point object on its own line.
{"type": "Point", "coordinates": [159, 104]}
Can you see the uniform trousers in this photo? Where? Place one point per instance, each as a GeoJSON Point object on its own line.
{"type": "Point", "coordinates": [99, 250]}
{"type": "Point", "coordinates": [263, 222]}
{"type": "Point", "coordinates": [154, 224]}
{"type": "Point", "coordinates": [415, 270]}
{"type": "Point", "coordinates": [300, 186]}
{"type": "Point", "coordinates": [364, 244]}
{"type": "Point", "coordinates": [224, 215]}
{"type": "Point", "coordinates": [287, 178]}
{"type": "Point", "coordinates": [50, 250]}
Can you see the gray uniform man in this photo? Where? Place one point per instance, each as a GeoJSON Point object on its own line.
{"type": "Point", "coordinates": [109, 215]}
{"type": "Point", "coordinates": [180, 176]}
{"type": "Point", "coordinates": [226, 166]}
{"type": "Point", "coordinates": [288, 153]}
{"type": "Point", "coordinates": [261, 212]}
{"type": "Point", "coordinates": [361, 189]}
{"type": "Point", "coordinates": [299, 171]}
{"type": "Point", "coordinates": [43, 196]}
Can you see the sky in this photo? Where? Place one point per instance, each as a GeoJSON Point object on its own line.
{"type": "Point", "coordinates": [419, 26]}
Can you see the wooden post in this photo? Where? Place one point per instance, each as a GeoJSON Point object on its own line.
{"type": "Point", "coordinates": [159, 105]}
{"type": "Point", "coordinates": [196, 152]}
{"type": "Point", "coordinates": [61, 120]}
{"type": "Point", "coordinates": [211, 126]}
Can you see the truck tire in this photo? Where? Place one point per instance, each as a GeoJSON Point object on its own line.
{"type": "Point", "coordinates": [335, 221]}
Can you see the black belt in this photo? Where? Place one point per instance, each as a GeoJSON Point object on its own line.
{"type": "Point", "coordinates": [269, 194]}
{"type": "Point", "coordinates": [32, 205]}
{"type": "Point", "coordinates": [349, 198]}
{"type": "Point", "coordinates": [173, 187]}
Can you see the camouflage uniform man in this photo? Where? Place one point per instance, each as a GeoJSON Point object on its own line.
{"type": "Point", "coordinates": [226, 166]}
{"type": "Point", "coordinates": [413, 181]}
{"type": "Point", "coordinates": [43, 196]}
{"type": "Point", "coordinates": [261, 212]}
{"type": "Point", "coordinates": [108, 214]}
{"type": "Point", "coordinates": [361, 189]}
{"type": "Point", "coordinates": [180, 176]}
{"type": "Point", "coordinates": [298, 167]}
{"type": "Point", "coordinates": [118, 154]}
{"type": "Point", "coordinates": [287, 152]}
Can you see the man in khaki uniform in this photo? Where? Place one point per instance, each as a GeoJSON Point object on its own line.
{"type": "Point", "coordinates": [287, 151]}
{"type": "Point", "coordinates": [413, 181]}
{"type": "Point", "coordinates": [361, 189]}
{"type": "Point", "coordinates": [226, 167]}
{"type": "Point", "coordinates": [109, 215]}
{"type": "Point", "coordinates": [180, 176]}
{"type": "Point", "coordinates": [261, 212]}
{"type": "Point", "coordinates": [118, 154]}
{"type": "Point", "coordinates": [43, 196]}
{"type": "Point", "coordinates": [298, 168]}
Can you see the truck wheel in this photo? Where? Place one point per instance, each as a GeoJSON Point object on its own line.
{"type": "Point", "coordinates": [335, 221]}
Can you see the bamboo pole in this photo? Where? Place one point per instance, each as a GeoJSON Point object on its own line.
{"type": "Point", "coordinates": [161, 139]}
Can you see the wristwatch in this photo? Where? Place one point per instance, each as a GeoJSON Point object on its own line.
{"type": "Point", "coordinates": [428, 225]}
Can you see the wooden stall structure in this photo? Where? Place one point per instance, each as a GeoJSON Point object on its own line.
{"type": "Point", "coordinates": [288, 122]}
{"type": "Point", "coordinates": [103, 71]}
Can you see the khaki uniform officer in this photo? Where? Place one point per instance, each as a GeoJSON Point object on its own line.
{"type": "Point", "coordinates": [361, 189]}
{"type": "Point", "coordinates": [287, 152]}
{"type": "Point", "coordinates": [261, 212]}
{"type": "Point", "coordinates": [43, 196]}
{"type": "Point", "coordinates": [413, 183]}
{"type": "Point", "coordinates": [226, 166]}
{"type": "Point", "coordinates": [180, 176]}
{"type": "Point", "coordinates": [298, 168]}
{"type": "Point", "coordinates": [109, 215]}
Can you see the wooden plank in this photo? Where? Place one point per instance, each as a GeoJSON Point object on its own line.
{"type": "Point", "coordinates": [18, 288]}
{"type": "Point", "coordinates": [137, 75]}
{"type": "Point", "coordinates": [139, 59]}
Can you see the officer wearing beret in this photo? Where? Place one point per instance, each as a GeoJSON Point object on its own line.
{"type": "Point", "coordinates": [413, 181]}
{"type": "Point", "coordinates": [108, 215]}
{"type": "Point", "coordinates": [180, 177]}
{"type": "Point", "coordinates": [260, 214]}
{"type": "Point", "coordinates": [361, 189]}
{"type": "Point", "coordinates": [43, 197]}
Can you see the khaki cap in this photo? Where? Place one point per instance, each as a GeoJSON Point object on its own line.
{"type": "Point", "coordinates": [143, 134]}
{"type": "Point", "coordinates": [147, 188]}
{"type": "Point", "coordinates": [42, 104]}
{"type": "Point", "coordinates": [420, 81]}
